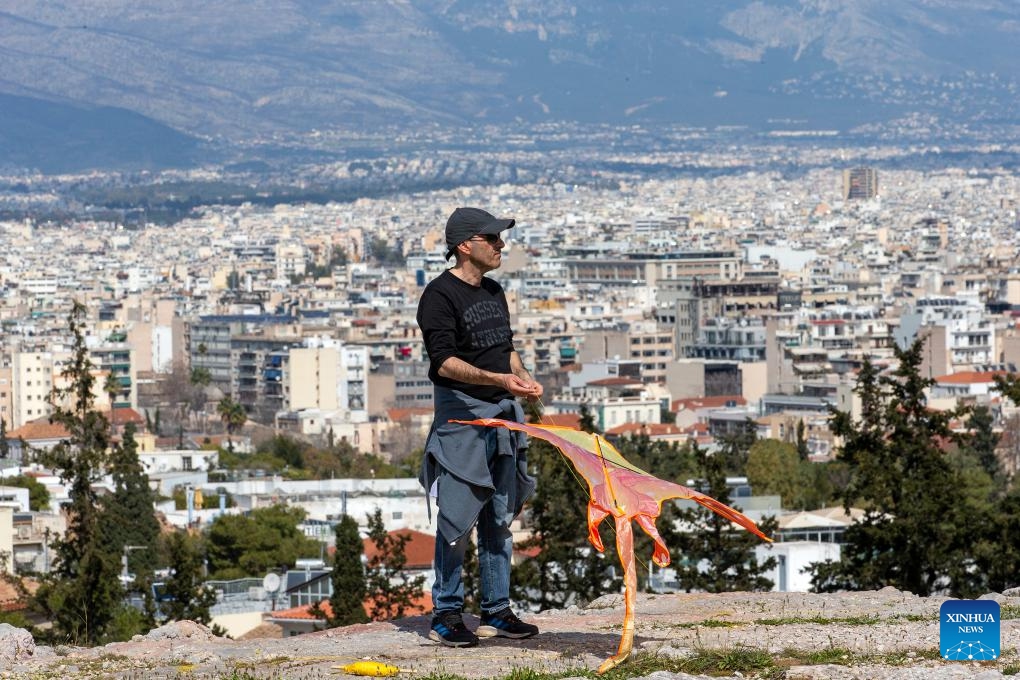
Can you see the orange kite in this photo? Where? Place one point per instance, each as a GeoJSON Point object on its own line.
{"type": "Point", "coordinates": [617, 488]}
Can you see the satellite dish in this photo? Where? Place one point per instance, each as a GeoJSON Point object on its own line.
{"type": "Point", "coordinates": [271, 582]}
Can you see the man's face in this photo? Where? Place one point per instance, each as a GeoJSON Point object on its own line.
{"type": "Point", "coordinates": [486, 251]}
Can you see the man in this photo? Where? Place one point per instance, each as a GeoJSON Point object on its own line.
{"type": "Point", "coordinates": [477, 474]}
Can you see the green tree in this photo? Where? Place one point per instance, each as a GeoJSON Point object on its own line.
{"type": "Point", "coordinates": [993, 556]}
{"type": "Point", "coordinates": [667, 460]}
{"type": "Point", "coordinates": [717, 556]}
{"type": "Point", "coordinates": [285, 448]}
{"type": "Point", "coordinates": [266, 540]}
{"type": "Point", "coordinates": [200, 376]}
{"type": "Point", "coordinates": [5, 446]}
{"type": "Point", "coordinates": [82, 594]}
{"type": "Point", "coordinates": [349, 588]}
{"type": "Point", "coordinates": [128, 621]}
{"type": "Point", "coordinates": [232, 414]}
{"type": "Point", "coordinates": [822, 484]}
{"type": "Point", "coordinates": [384, 253]}
{"type": "Point", "coordinates": [337, 258]}
{"type": "Point", "coordinates": [392, 591]}
{"type": "Point", "coordinates": [186, 598]}
{"type": "Point", "coordinates": [587, 419]}
{"type": "Point", "coordinates": [111, 386]}
{"type": "Point", "coordinates": [735, 447]}
{"type": "Point", "coordinates": [343, 460]}
{"type": "Point", "coordinates": [38, 495]}
{"type": "Point", "coordinates": [1009, 386]}
{"type": "Point", "coordinates": [981, 442]}
{"type": "Point", "coordinates": [129, 516]}
{"type": "Point", "coordinates": [802, 445]}
{"type": "Point", "coordinates": [912, 529]}
{"type": "Point", "coordinates": [775, 467]}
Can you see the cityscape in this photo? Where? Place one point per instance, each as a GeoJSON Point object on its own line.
{"type": "Point", "coordinates": [672, 307]}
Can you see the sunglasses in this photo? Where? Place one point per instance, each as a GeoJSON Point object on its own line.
{"type": "Point", "coordinates": [491, 239]}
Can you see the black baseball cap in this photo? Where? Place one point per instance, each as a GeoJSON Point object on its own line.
{"type": "Point", "coordinates": [467, 222]}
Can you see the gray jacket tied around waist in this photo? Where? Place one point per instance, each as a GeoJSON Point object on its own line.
{"type": "Point", "coordinates": [462, 451]}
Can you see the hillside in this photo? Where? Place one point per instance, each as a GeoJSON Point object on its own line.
{"type": "Point", "coordinates": [236, 70]}
{"type": "Point", "coordinates": [870, 635]}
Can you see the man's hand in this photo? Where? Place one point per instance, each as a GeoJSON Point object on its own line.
{"type": "Point", "coordinates": [519, 384]}
{"type": "Point", "coordinates": [520, 387]}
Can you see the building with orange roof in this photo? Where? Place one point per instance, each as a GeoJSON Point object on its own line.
{"type": "Point", "coordinates": [305, 618]}
{"type": "Point", "coordinates": [966, 383]}
{"type": "Point", "coordinates": [419, 549]}
{"type": "Point", "coordinates": [562, 420]}
{"type": "Point", "coordinates": [664, 432]}
{"type": "Point", "coordinates": [698, 403]}
{"type": "Point", "coordinates": [699, 409]}
{"type": "Point", "coordinates": [39, 434]}
{"type": "Point", "coordinates": [310, 589]}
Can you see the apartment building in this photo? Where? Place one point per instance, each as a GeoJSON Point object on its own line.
{"type": "Point", "coordinates": [32, 376]}
{"type": "Point", "coordinates": [648, 269]}
{"type": "Point", "coordinates": [115, 357]}
{"type": "Point", "coordinates": [648, 343]}
{"type": "Point", "coordinates": [860, 183]}
{"type": "Point", "coordinates": [959, 335]}
{"type": "Point", "coordinates": [614, 400]}
{"type": "Point", "coordinates": [209, 341]}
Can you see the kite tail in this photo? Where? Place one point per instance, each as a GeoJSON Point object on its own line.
{"type": "Point", "coordinates": [730, 514]}
{"type": "Point", "coordinates": [625, 550]}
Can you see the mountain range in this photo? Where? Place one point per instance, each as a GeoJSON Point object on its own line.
{"type": "Point", "coordinates": [182, 76]}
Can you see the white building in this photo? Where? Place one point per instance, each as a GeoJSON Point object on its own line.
{"type": "Point", "coordinates": [183, 460]}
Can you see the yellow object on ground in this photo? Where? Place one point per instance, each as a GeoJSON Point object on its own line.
{"type": "Point", "coordinates": [373, 668]}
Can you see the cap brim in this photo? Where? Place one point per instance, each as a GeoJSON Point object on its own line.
{"type": "Point", "coordinates": [496, 226]}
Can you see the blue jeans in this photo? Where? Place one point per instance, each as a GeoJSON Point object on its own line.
{"type": "Point", "coordinates": [495, 547]}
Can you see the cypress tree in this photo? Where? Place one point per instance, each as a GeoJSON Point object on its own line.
{"type": "Point", "coordinates": [349, 589]}
{"type": "Point", "coordinates": [83, 593]}
{"type": "Point", "coordinates": [129, 517]}
{"type": "Point", "coordinates": [5, 446]}
{"type": "Point", "coordinates": [802, 445]}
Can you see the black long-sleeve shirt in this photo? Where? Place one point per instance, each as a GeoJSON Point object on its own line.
{"type": "Point", "coordinates": [471, 323]}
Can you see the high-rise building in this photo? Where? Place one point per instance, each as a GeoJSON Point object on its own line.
{"type": "Point", "coordinates": [860, 183]}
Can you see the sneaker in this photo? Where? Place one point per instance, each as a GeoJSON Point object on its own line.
{"type": "Point", "coordinates": [449, 629]}
{"type": "Point", "coordinates": [505, 624]}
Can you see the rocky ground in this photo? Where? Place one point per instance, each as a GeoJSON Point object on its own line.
{"type": "Point", "coordinates": [885, 634]}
